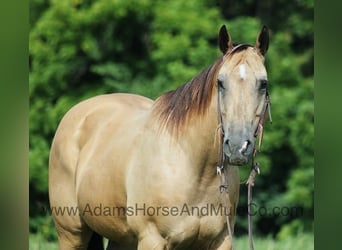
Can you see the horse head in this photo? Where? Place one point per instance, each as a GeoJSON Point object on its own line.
{"type": "Point", "coordinates": [242, 94]}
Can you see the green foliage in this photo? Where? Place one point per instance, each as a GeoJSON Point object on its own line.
{"type": "Point", "coordinates": [44, 227]}
{"type": "Point", "coordinates": [82, 48]}
{"type": "Point", "coordinates": [301, 241]}
{"type": "Point", "coordinates": [189, 25]}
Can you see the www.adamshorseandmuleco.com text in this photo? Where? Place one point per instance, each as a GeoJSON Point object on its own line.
{"type": "Point", "coordinates": [180, 210]}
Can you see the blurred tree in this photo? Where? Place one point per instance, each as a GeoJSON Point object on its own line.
{"type": "Point", "coordinates": [37, 7]}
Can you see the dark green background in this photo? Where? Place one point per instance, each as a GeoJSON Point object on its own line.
{"type": "Point", "coordinates": [328, 124]}
{"type": "Point", "coordinates": [14, 124]}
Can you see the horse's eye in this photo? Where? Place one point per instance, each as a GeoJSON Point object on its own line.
{"type": "Point", "coordinates": [263, 84]}
{"type": "Point", "coordinates": [220, 83]}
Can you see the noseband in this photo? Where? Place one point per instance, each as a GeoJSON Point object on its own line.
{"type": "Point", "coordinates": [259, 132]}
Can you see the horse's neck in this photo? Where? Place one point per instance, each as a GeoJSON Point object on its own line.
{"type": "Point", "coordinates": [197, 140]}
{"type": "Point", "coordinates": [201, 140]}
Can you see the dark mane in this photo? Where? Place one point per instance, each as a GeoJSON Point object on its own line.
{"type": "Point", "coordinates": [174, 108]}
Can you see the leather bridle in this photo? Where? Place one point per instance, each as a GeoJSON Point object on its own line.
{"type": "Point", "coordinates": [255, 169]}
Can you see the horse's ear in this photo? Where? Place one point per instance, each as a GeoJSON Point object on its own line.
{"type": "Point", "coordinates": [224, 40]}
{"type": "Point", "coordinates": [263, 40]}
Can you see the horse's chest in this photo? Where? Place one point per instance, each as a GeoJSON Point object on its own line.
{"type": "Point", "coordinates": [197, 232]}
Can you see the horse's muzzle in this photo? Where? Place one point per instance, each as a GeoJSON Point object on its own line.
{"type": "Point", "coordinates": [238, 152]}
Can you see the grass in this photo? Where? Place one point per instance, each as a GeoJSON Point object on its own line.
{"type": "Point", "coordinates": [37, 242]}
{"type": "Point", "coordinates": [301, 242]}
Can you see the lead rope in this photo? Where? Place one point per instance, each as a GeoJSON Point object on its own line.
{"type": "Point", "coordinates": [255, 168]}
{"type": "Point", "coordinates": [250, 182]}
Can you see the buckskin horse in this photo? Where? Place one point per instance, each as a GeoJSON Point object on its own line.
{"type": "Point", "coordinates": [130, 165]}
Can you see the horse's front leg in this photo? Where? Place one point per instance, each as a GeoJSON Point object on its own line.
{"type": "Point", "coordinates": [153, 242]}
{"type": "Point", "coordinates": [150, 239]}
{"type": "Point", "coordinates": [226, 244]}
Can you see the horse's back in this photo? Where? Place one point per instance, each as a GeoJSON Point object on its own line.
{"type": "Point", "coordinates": [88, 144]}
{"type": "Point", "coordinates": [89, 119]}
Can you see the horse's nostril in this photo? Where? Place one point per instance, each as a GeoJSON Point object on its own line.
{"type": "Point", "coordinates": [226, 142]}
{"type": "Point", "coordinates": [244, 147]}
